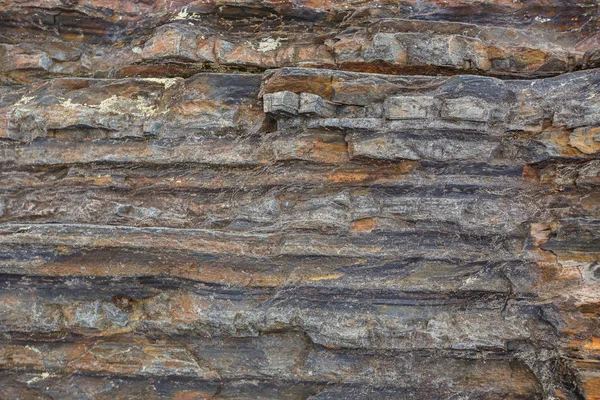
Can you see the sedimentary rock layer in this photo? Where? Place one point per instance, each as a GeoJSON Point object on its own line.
{"type": "Point", "coordinates": [179, 38]}
{"type": "Point", "coordinates": [293, 200]}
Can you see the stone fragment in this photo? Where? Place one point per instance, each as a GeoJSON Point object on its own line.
{"type": "Point", "coordinates": [63, 52]}
{"type": "Point", "coordinates": [347, 46]}
{"type": "Point", "coordinates": [313, 55]}
{"type": "Point", "coordinates": [576, 112]}
{"type": "Point", "coordinates": [281, 104]}
{"type": "Point", "coordinates": [232, 53]}
{"type": "Point", "coordinates": [468, 53]}
{"type": "Point", "coordinates": [465, 109]}
{"type": "Point", "coordinates": [32, 61]}
{"type": "Point", "coordinates": [315, 105]}
{"type": "Point", "coordinates": [385, 47]}
{"type": "Point", "coordinates": [410, 107]}
{"type": "Point", "coordinates": [586, 140]}
{"type": "Point", "coordinates": [422, 49]}
{"type": "Point", "coordinates": [23, 58]}
{"type": "Point", "coordinates": [179, 42]}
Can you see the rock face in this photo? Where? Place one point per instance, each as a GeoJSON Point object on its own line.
{"type": "Point", "coordinates": [272, 199]}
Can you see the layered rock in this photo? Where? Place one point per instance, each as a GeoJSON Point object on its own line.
{"type": "Point", "coordinates": [299, 200]}
{"type": "Point", "coordinates": [158, 39]}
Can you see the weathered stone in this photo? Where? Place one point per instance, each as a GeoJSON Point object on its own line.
{"type": "Point", "coordinates": [465, 108]}
{"type": "Point", "coordinates": [180, 42]}
{"type": "Point", "coordinates": [132, 107]}
{"type": "Point", "coordinates": [314, 105]}
{"type": "Point", "coordinates": [281, 104]}
{"type": "Point", "coordinates": [345, 123]}
{"type": "Point", "coordinates": [411, 107]}
{"type": "Point", "coordinates": [586, 140]}
{"type": "Point", "coordinates": [398, 146]}
{"type": "Point", "coordinates": [573, 113]}
{"type": "Point", "coordinates": [385, 47]}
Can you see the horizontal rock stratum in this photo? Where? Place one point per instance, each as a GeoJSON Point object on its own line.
{"type": "Point", "coordinates": [272, 199]}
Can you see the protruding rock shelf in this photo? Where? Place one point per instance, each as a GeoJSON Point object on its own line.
{"type": "Point", "coordinates": [299, 200]}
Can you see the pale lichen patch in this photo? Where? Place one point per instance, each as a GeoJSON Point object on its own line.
{"type": "Point", "coordinates": [42, 376]}
{"type": "Point", "coordinates": [185, 14]}
{"type": "Point", "coordinates": [167, 82]}
{"type": "Point", "coordinates": [117, 105]}
{"type": "Point", "coordinates": [137, 106]}
{"type": "Point", "coordinates": [24, 100]}
{"type": "Point", "coordinates": [269, 44]}
{"type": "Point", "coordinates": [69, 104]}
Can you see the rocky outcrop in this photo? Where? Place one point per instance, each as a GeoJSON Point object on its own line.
{"type": "Point", "coordinates": [293, 200]}
{"type": "Point", "coordinates": [114, 39]}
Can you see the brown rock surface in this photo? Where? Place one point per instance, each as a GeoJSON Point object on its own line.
{"type": "Point", "coordinates": [273, 199]}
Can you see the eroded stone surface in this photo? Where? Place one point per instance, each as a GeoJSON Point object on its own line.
{"type": "Point", "coordinates": [180, 38]}
{"type": "Point", "coordinates": [411, 107]}
{"type": "Point", "coordinates": [299, 200]}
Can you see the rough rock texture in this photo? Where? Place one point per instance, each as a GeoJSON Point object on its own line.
{"type": "Point", "coordinates": [276, 199]}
